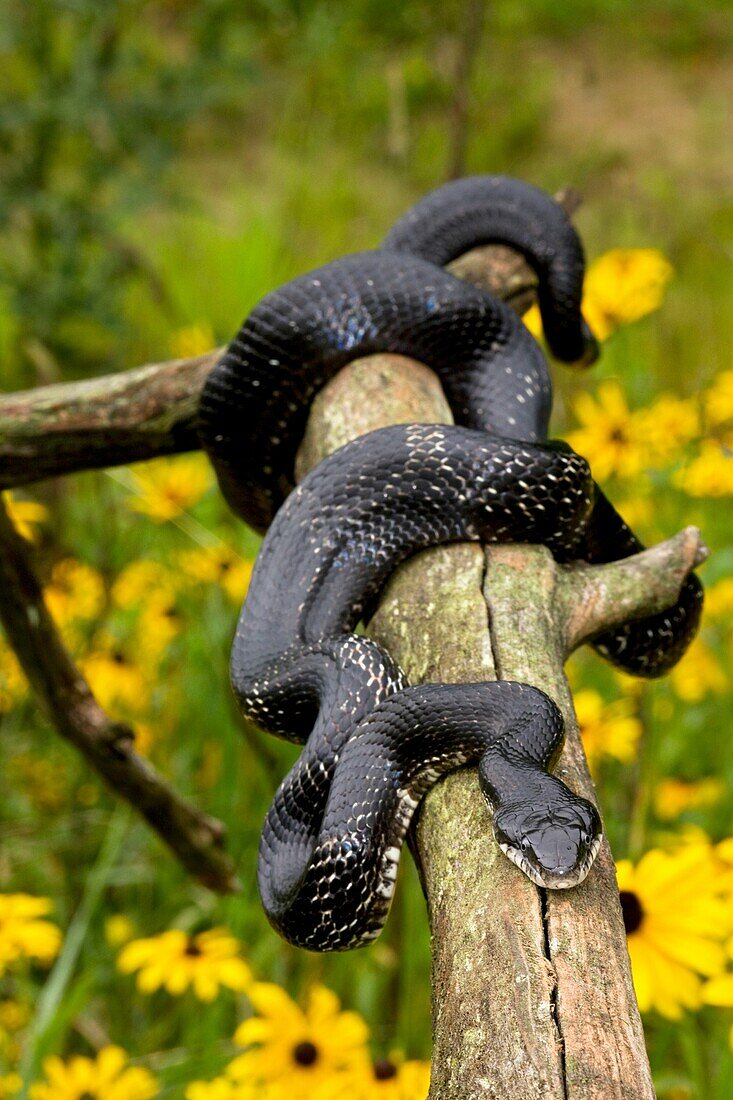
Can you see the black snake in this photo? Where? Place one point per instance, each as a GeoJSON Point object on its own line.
{"type": "Point", "coordinates": [373, 744]}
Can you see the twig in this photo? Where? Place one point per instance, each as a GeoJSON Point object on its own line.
{"type": "Point", "coordinates": [196, 839]}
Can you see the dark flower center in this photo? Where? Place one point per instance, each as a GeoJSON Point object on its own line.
{"type": "Point", "coordinates": [305, 1053]}
{"type": "Point", "coordinates": [632, 911]}
{"type": "Point", "coordinates": [88, 1096]}
{"type": "Point", "coordinates": [384, 1069]}
{"type": "Point", "coordinates": [618, 435]}
{"type": "Point", "coordinates": [193, 950]}
{"type": "Point", "coordinates": [119, 657]}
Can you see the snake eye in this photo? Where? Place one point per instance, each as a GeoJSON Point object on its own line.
{"type": "Point", "coordinates": [524, 845]}
{"type": "Point", "coordinates": [586, 838]}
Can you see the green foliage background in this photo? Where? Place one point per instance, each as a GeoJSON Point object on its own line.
{"type": "Point", "coordinates": [166, 164]}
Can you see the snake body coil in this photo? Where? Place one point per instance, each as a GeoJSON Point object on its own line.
{"type": "Point", "coordinates": [372, 743]}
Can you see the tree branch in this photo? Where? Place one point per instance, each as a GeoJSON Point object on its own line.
{"type": "Point", "coordinates": [196, 839]}
{"type": "Point", "coordinates": [532, 989]}
{"type": "Point", "coordinates": [600, 597]}
{"type": "Point", "coordinates": [150, 411]}
{"type": "Point", "coordinates": [107, 421]}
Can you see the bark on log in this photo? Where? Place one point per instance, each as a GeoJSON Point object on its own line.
{"type": "Point", "coordinates": [532, 989]}
{"type": "Point", "coordinates": [107, 421]}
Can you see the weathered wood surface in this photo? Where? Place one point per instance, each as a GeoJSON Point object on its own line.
{"type": "Point", "coordinates": [532, 991]}
{"type": "Point", "coordinates": [107, 421]}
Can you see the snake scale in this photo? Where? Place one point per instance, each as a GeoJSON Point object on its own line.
{"type": "Point", "coordinates": [373, 744]}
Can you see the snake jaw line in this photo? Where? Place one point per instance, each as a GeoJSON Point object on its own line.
{"type": "Point", "coordinates": [558, 882]}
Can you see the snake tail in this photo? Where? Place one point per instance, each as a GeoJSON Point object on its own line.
{"type": "Point", "coordinates": [479, 210]}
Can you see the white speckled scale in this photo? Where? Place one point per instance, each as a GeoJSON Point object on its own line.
{"type": "Point", "coordinates": [372, 744]}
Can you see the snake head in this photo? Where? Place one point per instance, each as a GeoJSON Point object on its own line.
{"type": "Point", "coordinates": [554, 844]}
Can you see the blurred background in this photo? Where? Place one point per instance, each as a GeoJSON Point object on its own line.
{"type": "Point", "coordinates": [164, 165]}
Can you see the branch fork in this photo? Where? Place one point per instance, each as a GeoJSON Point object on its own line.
{"type": "Point", "coordinates": [532, 989]}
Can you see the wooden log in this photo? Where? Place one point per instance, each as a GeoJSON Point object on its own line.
{"type": "Point", "coordinates": [532, 989]}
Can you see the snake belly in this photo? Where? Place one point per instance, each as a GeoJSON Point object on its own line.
{"type": "Point", "coordinates": [372, 743]}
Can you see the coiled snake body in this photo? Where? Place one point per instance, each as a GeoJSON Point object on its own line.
{"type": "Point", "coordinates": [373, 744]}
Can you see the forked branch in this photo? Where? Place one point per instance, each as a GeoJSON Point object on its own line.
{"type": "Point", "coordinates": [532, 990]}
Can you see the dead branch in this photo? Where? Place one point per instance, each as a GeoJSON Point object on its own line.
{"type": "Point", "coordinates": [196, 839]}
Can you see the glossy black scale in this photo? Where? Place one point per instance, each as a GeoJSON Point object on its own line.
{"type": "Point", "coordinates": [372, 743]}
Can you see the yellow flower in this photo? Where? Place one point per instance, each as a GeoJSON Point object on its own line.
{"type": "Point", "coordinates": [13, 1018]}
{"type": "Point", "coordinates": [638, 511]}
{"type": "Point", "coordinates": [144, 737]}
{"type": "Point", "coordinates": [233, 1086]}
{"type": "Point", "coordinates": [673, 796]}
{"type": "Point", "coordinates": [719, 992]}
{"type": "Point", "coordinates": [299, 1049]}
{"type": "Point", "coordinates": [623, 285]}
{"type": "Point", "coordinates": [25, 515]}
{"type": "Point", "coordinates": [533, 321]}
{"type": "Point", "coordinates": [676, 920]}
{"type": "Point", "coordinates": [13, 684]}
{"type": "Point", "coordinates": [106, 1077]}
{"type": "Point", "coordinates": [719, 599]}
{"type": "Point", "coordinates": [118, 683]}
{"type": "Point", "coordinates": [167, 487]}
{"type": "Point", "coordinates": [23, 934]}
{"type": "Point", "coordinates": [221, 1088]}
{"type": "Point", "coordinates": [664, 427]}
{"type": "Point", "coordinates": [118, 929]}
{"type": "Point", "coordinates": [607, 729]}
{"type": "Point", "coordinates": [392, 1079]}
{"type": "Point", "coordinates": [698, 673]}
{"type": "Point", "coordinates": [219, 565]}
{"type": "Point", "coordinates": [710, 474]}
{"type": "Point", "coordinates": [159, 623]}
{"type": "Point", "coordinates": [10, 1085]}
{"type": "Point", "coordinates": [192, 340]}
{"type": "Point", "coordinates": [174, 961]}
{"type": "Point", "coordinates": [608, 437]}
{"type": "Point", "coordinates": [141, 579]}
{"type": "Point", "coordinates": [75, 591]}
{"type": "Point", "coordinates": [719, 400]}
{"type": "Point", "coordinates": [13, 1015]}
{"type": "Point", "coordinates": [620, 286]}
